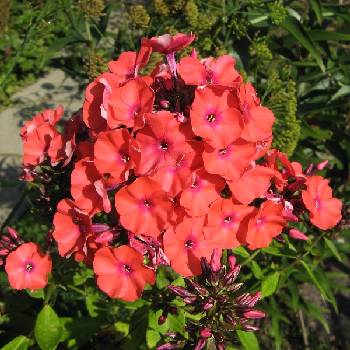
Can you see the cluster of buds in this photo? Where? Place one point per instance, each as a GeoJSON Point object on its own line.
{"type": "Point", "coordinates": [213, 294]}
{"type": "Point", "coordinates": [8, 243]}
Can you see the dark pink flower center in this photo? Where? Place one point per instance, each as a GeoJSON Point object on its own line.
{"type": "Point", "coordinates": [147, 203]}
{"type": "Point", "coordinates": [228, 219]}
{"type": "Point", "coordinates": [164, 145]}
{"type": "Point", "coordinates": [29, 266]}
{"type": "Point", "coordinates": [211, 118]}
{"type": "Point", "coordinates": [124, 157]}
{"type": "Point", "coordinates": [126, 268]}
{"type": "Point", "coordinates": [189, 244]}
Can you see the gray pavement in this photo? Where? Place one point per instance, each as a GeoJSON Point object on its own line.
{"type": "Point", "coordinates": [48, 92]}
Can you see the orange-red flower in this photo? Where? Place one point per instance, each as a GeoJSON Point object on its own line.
{"type": "Point", "coordinates": [48, 116]}
{"type": "Point", "coordinates": [253, 183]}
{"type": "Point", "coordinates": [257, 120]}
{"type": "Point", "coordinates": [229, 162]}
{"type": "Point", "coordinates": [160, 140]}
{"type": "Point", "coordinates": [97, 94]}
{"type": "Point", "coordinates": [143, 206]}
{"type": "Point", "coordinates": [27, 267]}
{"type": "Point", "coordinates": [325, 211]}
{"type": "Point", "coordinates": [264, 224]}
{"type": "Point", "coordinates": [129, 102]}
{"type": "Point", "coordinates": [215, 117]}
{"type": "Point", "coordinates": [175, 175]}
{"type": "Point", "coordinates": [44, 141]}
{"type": "Point", "coordinates": [203, 190]}
{"type": "Point", "coordinates": [168, 44]}
{"type": "Point", "coordinates": [185, 245]}
{"type": "Point", "coordinates": [220, 71]}
{"type": "Point", "coordinates": [121, 273]}
{"type": "Point", "coordinates": [71, 227]}
{"type": "Point", "coordinates": [223, 222]}
{"type": "Point", "coordinates": [88, 188]}
{"type": "Point", "coordinates": [112, 154]}
{"type": "Point", "coordinates": [128, 63]}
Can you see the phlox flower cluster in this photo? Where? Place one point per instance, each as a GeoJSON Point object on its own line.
{"type": "Point", "coordinates": [177, 162]}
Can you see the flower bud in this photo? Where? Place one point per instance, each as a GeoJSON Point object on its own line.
{"type": "Point", "coordinates": [197, 287]}
{"type": "Point", "coordinates": [296, 234]}
{"type": "Point", "coordinates": [190, 300]}
{"type": "Point", "coordinates": [230, 319]}
{"type": "Point", "coordinates": [220, 346]}
{"type": "Point", "coordinates": [232, 275]}
{"type": "Point", "coordinates": [250, 328]}
{"type": "Point", "coordinates": [208, 304]}
{"type": "Point", "coordinates": [162, 319]}
{"type": "Point", "coordinates": [234, 287]}
{"type": "Point", "coordinates": [181, 291]}
{"type": "Point", "coordinates": [201, 344]}
{"type": "Point", "coordinates": [167, 346]}
{"type": "Point", "coordinates": [232, 261]}
{"type": "Point", "coordinates": [4, 252]}
{"type": "Point", "coordinates": [322, 165]}
{"type": "Point", "coordinates": [254, 314]}
{"type": "Point", "coordinates": [205, 266]}
{"type": "Point", "coordinates": [13, 233]}
{"type": "Point", "coordinates": [215, 261]}
{"type": "Point", "coordinates": [205, 332]}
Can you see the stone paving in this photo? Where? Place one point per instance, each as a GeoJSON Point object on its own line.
{"type": "Point", "coordinates": [51, 90]}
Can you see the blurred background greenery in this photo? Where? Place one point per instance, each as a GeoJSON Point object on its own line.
{"type": "Point", "coordinates": [297, 55]}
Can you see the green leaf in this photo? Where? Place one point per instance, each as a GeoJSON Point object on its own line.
{"type": "Point", "coordinates": [333, 249]}
{"type": "Point", "coordinates": [248, 340]}
{"type": "Point", "coordinates": [48, 329]}
{"type": "Point", "coordinates": [37, 294]}
{"type": "Point", "coordinates": [241, 251]}
{"type": "Point", "coordinates": [316, 7]}
{"type": "Point", "coordinates": [314, 280]}
{"type": "Point", "coordinates": [326, 35]}
{"type": "Point", "coordinates": [296, 29]}
{"type": "Point", "coordinates": [318, 313]}
{"type": "Point", "coordinates": [19, 343]}
{"type": "Point", "coordinates": [177, 322]}
{"type": "Point", "coordinates": [269, 284]}
{"type": "Point", "coordinates": [162, 280]}
{"type": "Point", "coordinates": [91, 301]}
{"type": "Point", "coordinates": [343, 91]}
{"type": "Point", "coordinates": [257, 270]}
{"type": "Point", "coordinates": [152, 338]}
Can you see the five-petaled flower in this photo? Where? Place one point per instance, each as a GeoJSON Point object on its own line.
{"type": "Point", "coordinates": [27, 267]}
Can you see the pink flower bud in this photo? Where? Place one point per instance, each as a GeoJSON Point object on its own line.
{"type": "Point", "coordinates": [232, 261]}
{"type": "Point", "coordinates": [193, 53]}
{"type": "Point", "coordinates": [205, 332]}
{"type": "Point", "coordinates": [161, 319]}
{"type": "Point", "coordinates": [322, 165]}
{"type": "Point", "coordinates": [13, 233]}
{"type": "Point", "coordinates": [296, 234]}
{"type": "Point", "coordinates": [208, 305]}
{"type": "Point", "coordinates": [167, 346]}
{"type": "Point", "coordinates": [215, 263]}
{"type": "Point", "coordinates": [250, 328]}
{"type": "Point", "coordinates": [253, 314]}
{"type": "Point", "coordinates": [4, 252]}
{"type": "Point", "coordinates": [201, 344]}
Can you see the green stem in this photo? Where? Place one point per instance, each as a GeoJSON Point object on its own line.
{"type": "Point", "coordinates": [246, 261]}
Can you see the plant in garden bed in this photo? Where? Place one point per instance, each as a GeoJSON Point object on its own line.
{"type": "Point", "coordinates": [148, 185]}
